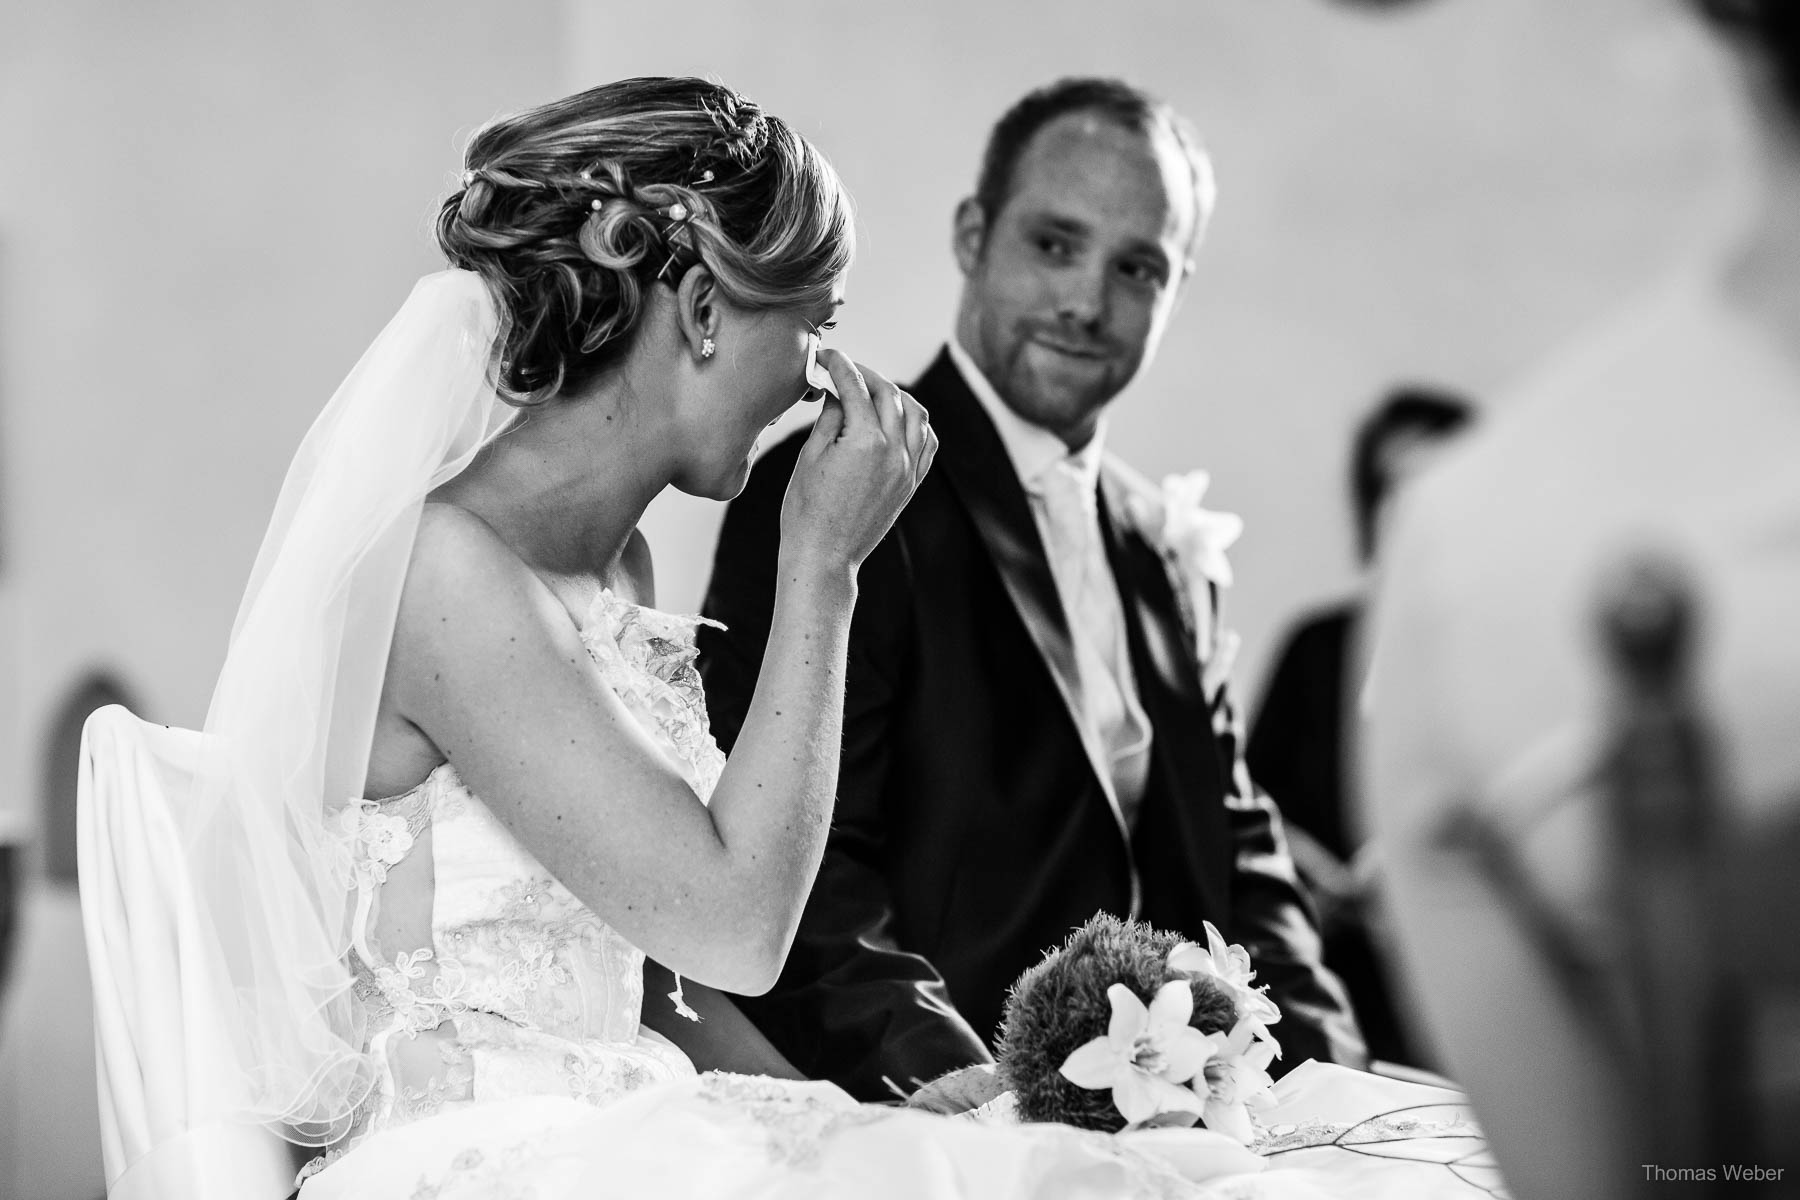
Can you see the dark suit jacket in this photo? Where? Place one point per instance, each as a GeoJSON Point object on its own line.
{"type": "Point", "coordinates": [972, 830]}
{"type": "Point", "coordinates": [1299, 748]}
{"type": "Point", "coordinates": [1297, 743]}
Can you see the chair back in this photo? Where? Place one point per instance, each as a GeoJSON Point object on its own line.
{"type": "Point", "coordinates": [168, 1087]}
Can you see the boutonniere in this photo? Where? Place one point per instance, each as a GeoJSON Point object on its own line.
{"type": "Point", "coordinates": [1192, 540]}
{"type": "Point", "coordinates": [1196, 537]}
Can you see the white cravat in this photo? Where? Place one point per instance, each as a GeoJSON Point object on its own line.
{"type": "Point", "coordinates": [1065, 502]}
{"type": "Point", "coordinates": [1064, 493]}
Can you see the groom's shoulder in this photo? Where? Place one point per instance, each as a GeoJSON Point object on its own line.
{"type": "Point", "coordinates": [1126, 483]}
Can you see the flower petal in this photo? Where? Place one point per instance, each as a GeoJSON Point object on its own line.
{"type": "Point", "coordinates": [1185, 1054]}
{"type": "Point", "coordinates": [1255, 1004]}
{"type": "Point", "coordinates": [1134, 1096]}
{"type": "Point", "coordinates": [1188, 489]}
{"type": "Point", "coordinates": [1172, 1097]}
{"type": "Point", "coordinates": [1172, 1007]}
{"type": "Point", "coordinates": [1190, 958]}
{"type": "Point", "coordinates": [1129, 1016]}
{"type": "Point", "coordinates": [1094, 1065]}
{"type": "Point", "coordinates": [1141, 1095]}
{"type": "Point", "coordinates": [1232, 1120]}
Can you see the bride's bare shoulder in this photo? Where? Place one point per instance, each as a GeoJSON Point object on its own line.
{"type": "Point", "coordinates": [461, 566]}
{"type": "Point", "coordinates": [451, 538]}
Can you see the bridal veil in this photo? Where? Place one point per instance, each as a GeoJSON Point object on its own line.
{"type": "Point", "coordinates": [215, 893]}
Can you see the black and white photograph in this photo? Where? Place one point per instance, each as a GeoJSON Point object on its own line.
{"type": "Point", "coordinates": [980, 600]}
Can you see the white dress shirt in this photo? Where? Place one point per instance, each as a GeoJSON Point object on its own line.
{"type": "Point", "coordinates": [1064, 491]}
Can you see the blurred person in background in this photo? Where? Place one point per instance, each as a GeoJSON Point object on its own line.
{"type": "Point", "coordinates": [1300, 741]}
{"type": "Point", "coordinates": [1676, 430]}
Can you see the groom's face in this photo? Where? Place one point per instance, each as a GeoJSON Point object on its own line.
{"type": "Point", "coordinates": [1068, 287]}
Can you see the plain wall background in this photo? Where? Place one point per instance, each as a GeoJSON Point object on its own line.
{"type": "Point", "coordinates": [207, 210]}
{"type": "Point", "coordinates": [1443, 194]}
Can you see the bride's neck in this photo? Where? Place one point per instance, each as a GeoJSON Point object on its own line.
{"type": "Point", "coordinates": [567, 485]}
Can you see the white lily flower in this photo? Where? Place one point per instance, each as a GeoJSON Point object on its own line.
{"type": "Point", "coordinates": [1229, 967]}
{"type": "Point", "coordinates": [1198, 536]}
{"type": "Point", "coordinates": [1146, 1054]}
{"type": "Point", "coordinates": [1236, 1080]}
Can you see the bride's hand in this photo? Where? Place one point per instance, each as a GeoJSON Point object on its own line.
{"type": "Point", "coordinates": [869, 448]}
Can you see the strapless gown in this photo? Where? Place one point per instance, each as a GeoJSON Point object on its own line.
{"type": "Point", "coordinates": [506, 1019]}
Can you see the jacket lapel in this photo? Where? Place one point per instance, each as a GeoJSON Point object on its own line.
{"type": "Point", "coordinates": [974, 461]}
{"type": "Point", "coordinates": [1168, 672]}
{"type": "Point", "coordinates": [1168, 646]}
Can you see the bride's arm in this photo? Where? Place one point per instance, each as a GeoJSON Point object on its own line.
{"type": "Point", "coordinates": [723, 1039]}
{"type": "Point", "coordinates": [488, 666]}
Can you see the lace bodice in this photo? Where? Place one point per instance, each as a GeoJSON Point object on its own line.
{"type": "Point", "coordinates": [484, 976]}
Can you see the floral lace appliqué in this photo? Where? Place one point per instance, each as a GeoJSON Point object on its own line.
{"type": "Point", "coordinates": [454, 1085]}
{"type": "Point", "coordinates": [793, 1123]}
{"type": "Point", "coordinates": [490, 1175]}
{"type": "Point", "coordinates": [412, 1010]}
{"type": "Point", "coordinates": [647, 656]}
{"type": "Point", "coordinates": [598, 1080]}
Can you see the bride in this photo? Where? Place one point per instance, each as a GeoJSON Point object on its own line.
{"type": "Point", "coordinates": [456, 781]}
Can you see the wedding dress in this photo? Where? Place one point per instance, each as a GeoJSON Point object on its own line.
{"type": "Point", "coordinates": [513, 1062]}
{"type": "Point", "coordinates": [402, 981]}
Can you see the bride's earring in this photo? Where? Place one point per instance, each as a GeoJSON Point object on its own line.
{"type": "Point", "coordinates": [707, 347]}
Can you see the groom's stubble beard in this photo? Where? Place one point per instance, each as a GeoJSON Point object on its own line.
{"type": "Point", "coordinates": [1064, 394]}
{"type": "Point", "coordinates": [1023, 374]}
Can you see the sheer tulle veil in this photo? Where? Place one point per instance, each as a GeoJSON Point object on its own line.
{"type": "Point", "coordinates": [288, 732]}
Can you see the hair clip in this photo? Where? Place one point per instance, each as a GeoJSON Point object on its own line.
{"type": "Point", "coordinates": [595, 204]}
{"type": "Point", "coordinates": [468, 177]}
{"type": "Point", "coordinates": [678, 215]}
{"type": "Point", "coordinates": [706, 176]}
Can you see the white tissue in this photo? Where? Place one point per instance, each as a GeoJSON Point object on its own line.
{"type": "Point", "coordinates": [816, 374]}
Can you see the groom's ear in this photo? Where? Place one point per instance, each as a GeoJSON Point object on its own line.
{"type": "Point", "coordinates": [1183, 278]}
{"type": "Point", "coordinates": [697, 307]}
{"type": "Point", "coordinates": [968, 234]}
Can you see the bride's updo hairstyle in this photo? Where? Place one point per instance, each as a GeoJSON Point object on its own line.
{"type": "Point", "coordinates": [572, 211]}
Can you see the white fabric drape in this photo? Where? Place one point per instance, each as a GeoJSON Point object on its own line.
{"type": "Point", "coordinates": [213, 882]}
{"type": "Point", "coordinates": [164, 1072]}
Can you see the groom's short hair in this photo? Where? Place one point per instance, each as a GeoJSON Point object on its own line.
{"type": "Point", "coordinates": [1114, 99]}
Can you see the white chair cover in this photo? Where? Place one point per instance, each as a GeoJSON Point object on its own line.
{"type": "Point", "coordinates": [168, 1085]}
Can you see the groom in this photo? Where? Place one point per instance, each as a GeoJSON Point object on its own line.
{"type": "Point", "coordinates": [1027, 735]}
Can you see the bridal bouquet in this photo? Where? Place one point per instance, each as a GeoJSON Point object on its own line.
{"type": "Point", "coordinates": [1128, 1027]}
